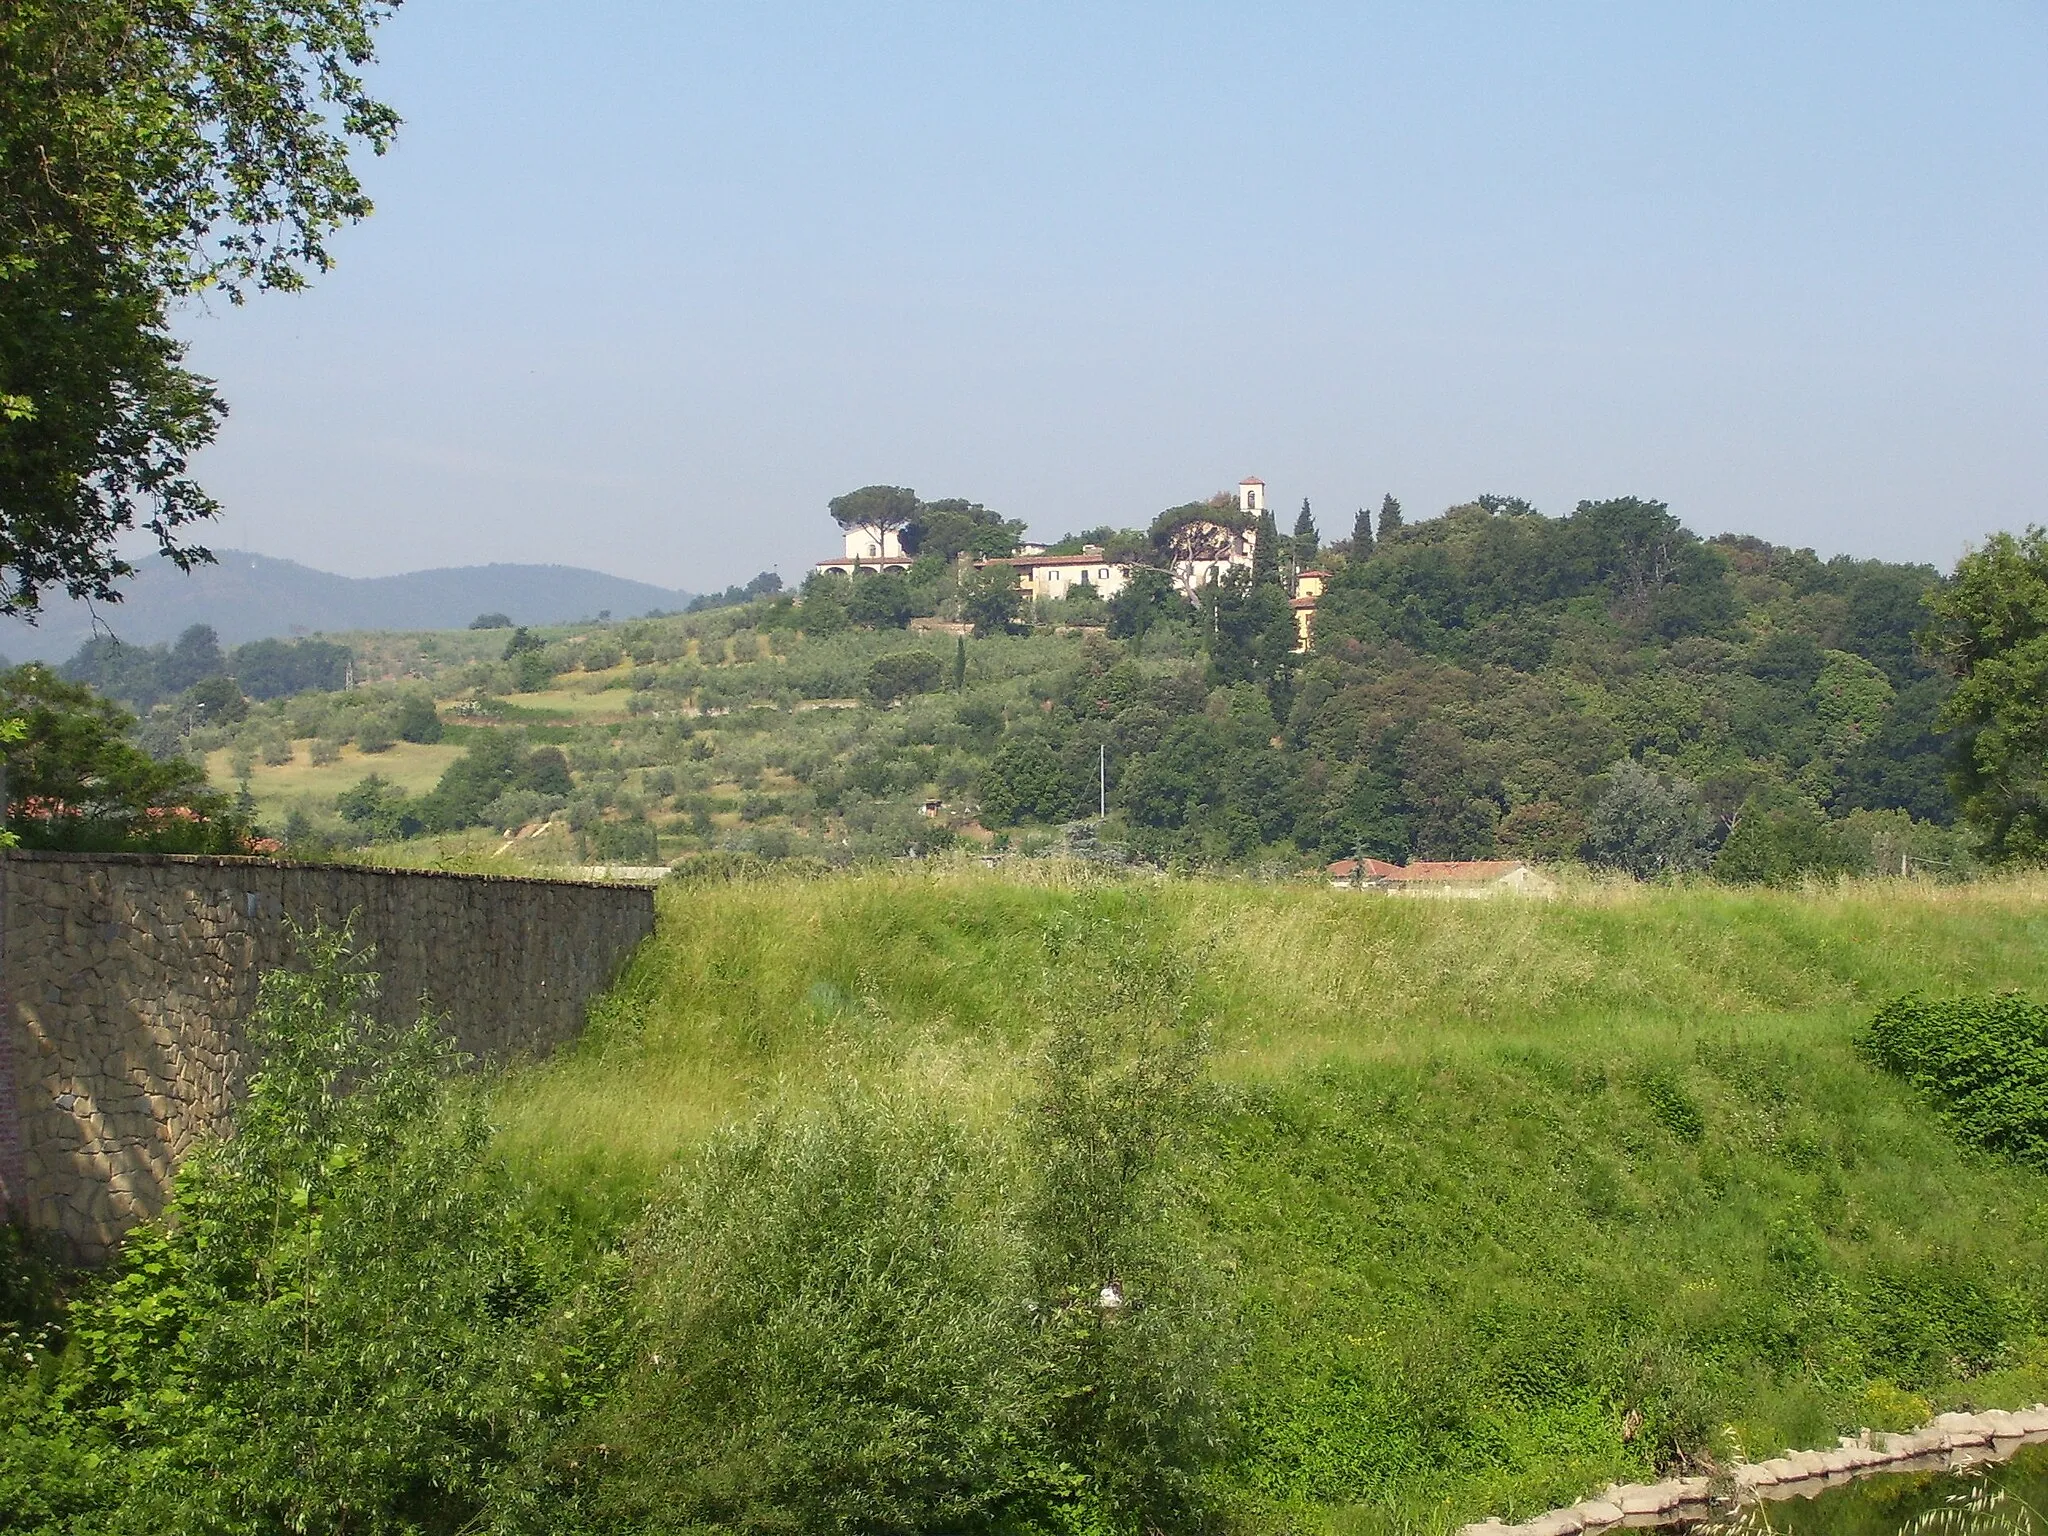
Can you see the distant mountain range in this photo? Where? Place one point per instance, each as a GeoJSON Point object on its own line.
{"type": "Point", "coordinates": [252, 597]}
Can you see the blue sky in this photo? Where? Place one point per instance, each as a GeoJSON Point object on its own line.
{"type": "Point", "coordinates": [648, 283]}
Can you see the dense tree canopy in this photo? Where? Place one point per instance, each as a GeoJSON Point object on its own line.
{"type": "Point", "coordinates": [150, 152]}
{"type": "Point", "coordinates": [1992, 630]}
{"type": "Point", "coordinates": [74, 779]}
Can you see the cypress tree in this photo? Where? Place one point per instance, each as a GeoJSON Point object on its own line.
{"type": "Point", "coordinates": [1390, 517]}
{"type": "Point", "coordinates": [1307, 540]}
{"type": "Point", "coordinates": [1361, 535]}
{"type": "Point", "coordinates": [1266, 551]}
{"type": "Point", "coordinates": [960, 665]}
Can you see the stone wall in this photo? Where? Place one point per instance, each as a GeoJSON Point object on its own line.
{"type": "Point", "coordinates": [124, 979]}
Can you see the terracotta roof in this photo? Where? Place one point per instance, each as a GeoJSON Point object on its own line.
{"type": "Point", "coordinates": [1251, 480]}
{"type": "Point", "coordinates": [1377, 869]}
{"type": "Point", "coordinates": [1428, 870]}
{"type": "Point", "coordinates": [1453, 869]}
{"type": "Point", "coordinates": [1324, 574]}
{"type": "Point", "coordinates": [1053, 560]}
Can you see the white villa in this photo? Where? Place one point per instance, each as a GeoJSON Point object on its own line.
{"type": "Point", "coordinates": [1208, 550]}
{"type": "Point", "coordinates": [870, 551]}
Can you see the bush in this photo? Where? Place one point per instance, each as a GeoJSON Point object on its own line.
{"type": "Point", "coordinates": [831, 1337]}
{"type": "Point", "coordinates": [1780, 844]}
{"type": "Point", "coordinates": [860, 1318]}
{"type": "Point", "coordinates": [417, 719]}
{"type": "Point", "coordinates": [902, 674]}
{"type": "Point", "coordinates": [376, 733]}
{"type": "Point", "coordinates": [340, 1323]}
{"type": "Point", "coordinates": [1983, 1060]}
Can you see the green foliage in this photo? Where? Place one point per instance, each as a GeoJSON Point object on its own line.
{"type": "Point", "coordinates": [417, 718]}
{"type": "Point", "coordinates": [148, 153]}
{"type": "Point", "coordinates": [142, 675]}
{"type": "Point", "coordinates": [521, 641]}
{"type": "Point", "coordinates": [1361, 535]}
{"type": "Point", "coordinates": [901, 674]}
{"type": "Point", "coordinates": [879, 600]}
{"type": "Point", "coordinates": [1148, 598]}
{"type": "Point", "coordinates": [276, 669]}
{"type": "Point", "coordinates": [1306, 541]}
{"type": "Point", "coordinates": [1776, 842]}
{"type": "Point", "coordinates": [74, 780]}
{"type": "Point", "coordinates": [1982, 1060]}
{"type": "Point", "coordinates": [878, 508]}
{"type": "Point", "coordinates": [1495, 1201]}
{"type": "Point", "coordinates": [831, 1337]}
{"type": "Point", "coordinates": [1991, 628]}
{"type": "Point", "coordinates": [380, 811]}
{"type": "Point", "coordinates": [1647, 825]}
{"type": "Point", "coordinates": [990, 600]}
{"type": "Point", "coordinates": [1133, 1340]}
{"type": "Point", "coordinates": [494, 762]}
{"type": "Point", "coordinates": [344, 1322]}
{"type": "Point", "coordinates": [853, 1317]}
{"type": "Point", "coordinates": [947, 529]}
{"type": "Point", "coordinates": [1026, 781]}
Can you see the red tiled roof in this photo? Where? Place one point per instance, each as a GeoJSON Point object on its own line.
{"type": "Point", "coordinates": [1428, 870]}
{"type": "Point", "coordinates": [1324, 574]}
{"type": "Point", "coordinates": [1251, 480]}
{"type": "Point", "coordinates": [1377, 869]}
{"type": "Point", "coordinates": [1052, 560]}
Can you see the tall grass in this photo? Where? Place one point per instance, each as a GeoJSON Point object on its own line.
{"type": "Point", "coordinates": [1512, 1197]}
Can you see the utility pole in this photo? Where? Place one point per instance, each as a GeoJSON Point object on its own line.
{"type": "Point", "coordinates": [1102, 782]}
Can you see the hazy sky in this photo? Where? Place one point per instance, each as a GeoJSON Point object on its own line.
{"type": "Point", "coordinates": [649, 282]}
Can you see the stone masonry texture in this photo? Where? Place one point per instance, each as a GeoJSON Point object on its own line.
{"type": "Point", "coordinates": [127, 976]}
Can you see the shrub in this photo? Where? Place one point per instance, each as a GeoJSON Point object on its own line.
{"type": "Point", "coordinates": [830, 1336]}
{"type": "Point", "coordinates": [376, 734]}
{"type": "Point", "coordinates": [1983, 1060]}
{"type": "Point", "coordinates": [902, 674]}
{"type": "Point", "coordinates": [1780, 844]}
{"type": "Point", "coordinates": [339, 1325]}
{"type": "Point", "coordinates": [417, 719]}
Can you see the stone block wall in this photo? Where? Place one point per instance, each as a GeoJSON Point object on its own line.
{"type": "Point", "coordinates": [124, 980]}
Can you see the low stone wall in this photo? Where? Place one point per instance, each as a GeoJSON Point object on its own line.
{"type": "Point", "coordinates": [124, 980]}
{"type": "Point", "coordinates": [1953, 1440]}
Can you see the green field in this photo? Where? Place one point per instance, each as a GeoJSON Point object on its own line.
{"type": "Point", "coordinates": [1510, 1198]}
{"type": "Point", "coordinates": [414, 767]}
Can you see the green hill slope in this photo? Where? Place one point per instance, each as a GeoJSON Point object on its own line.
{"type": "Point", "coordinates": [1510, 1198]}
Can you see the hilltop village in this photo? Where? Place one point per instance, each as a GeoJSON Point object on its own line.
{"type": "Point", "coordinates": [1489, 684]}
{"type": "Point", "coordinates": [1197, 546]}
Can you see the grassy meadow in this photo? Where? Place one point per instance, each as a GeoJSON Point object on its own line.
{"type": "Point", "coordinates": [414, 766]}
{"type": "Point", "coordinates": [1509, 1198]}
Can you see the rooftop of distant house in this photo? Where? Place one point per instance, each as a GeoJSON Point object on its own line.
{"type": "Point", "coordinates": [1438, 870]}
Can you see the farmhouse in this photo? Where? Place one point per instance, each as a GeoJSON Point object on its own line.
{"type": "Point", "coordinates": [1046, 577]}
{"type": "Point", "coordinates": [1470, 878]}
